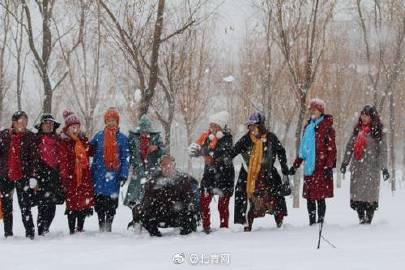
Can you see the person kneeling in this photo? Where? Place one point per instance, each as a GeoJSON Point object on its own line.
{"type": "Point", "coordinates": [168, 200]}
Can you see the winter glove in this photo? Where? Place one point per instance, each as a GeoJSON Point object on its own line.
{"type": "Point", "coordinates": [194, 150]}
{"type": "Point", "coordinates": [328, 173]}
{"type": "Point", "coordinates": [292, 171]}
{"type": "Point", "coordinates": [285, 170]}
{"type": "Point", "coordinates": [343, 169]}
{"type": "Point", "coordinates": [122, 180]}
{"type": "Point", "coordinates": [386, 174]}
{"type": "Point", "coordinates": [33, 183]}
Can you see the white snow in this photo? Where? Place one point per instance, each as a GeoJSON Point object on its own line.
{"type": "Point", "coordinates": [138, 95]}
{"type": "Point", "coordinates": [229, 78]}
{"type": "Point", "coordinates": [379, 246]}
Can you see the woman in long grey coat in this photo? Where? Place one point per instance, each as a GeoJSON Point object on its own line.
{"type": "Point", "coordinates": [367, 152]}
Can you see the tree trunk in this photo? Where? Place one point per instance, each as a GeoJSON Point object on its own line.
{"type": "Point", "coordinates": [47, 105]}
{"type": "Point", "coordinates": [154, 65]}
{"type": "Point", "coordinates": [297, 182]}
{"type": "Point", "coordinates": [392, 140]}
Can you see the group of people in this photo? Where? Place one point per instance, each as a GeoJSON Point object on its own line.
{"type": "Point", "coordinates": [48, 168]}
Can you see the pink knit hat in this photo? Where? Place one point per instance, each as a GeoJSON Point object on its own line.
{"type": "Point", "coordinates": [70, 118]}
{"type": "Point", "coordinates": [317, 104]}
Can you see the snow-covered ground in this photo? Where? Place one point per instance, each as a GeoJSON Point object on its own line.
{"type": "Point", "coordinates": [379, 246]}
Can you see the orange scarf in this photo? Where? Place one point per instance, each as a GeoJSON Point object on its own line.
{"type": "Point", "coordinates": [82, 161]}
{"type": "Point", "coordinates": [255, 164]}
{"type": "Point", "coordinates": [211, 145]}
{"type": "Point", "coordinates": [111, 157]}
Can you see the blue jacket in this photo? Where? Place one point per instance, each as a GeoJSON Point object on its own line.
{"type": "Point", "coordinates": [107, 182]}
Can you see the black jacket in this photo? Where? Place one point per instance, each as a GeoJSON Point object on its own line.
{"type": "Point", "coordinates": [221, 174]}
{"type": "Point", "coordinates": [273, 150]}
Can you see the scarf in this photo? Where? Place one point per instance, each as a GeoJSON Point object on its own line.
{"type": "Point", "coordinates": [144, 143]}
{"type": "Point", "coordinates": [360, 143]}
{"type": "Point", "coordinates": [255, 164]}
{"type": "Point", "coordinates": [307, 150]}
{"type": "Point", "coordinates": [81, 160]}
{"type": "Point", "coordinates": [212, 144]}
{"type": "Point", "coordinates": [15, 171]}
{"type": "Point", "coordinates": [111, 156]}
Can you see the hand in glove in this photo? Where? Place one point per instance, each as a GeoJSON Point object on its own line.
{"type": "Point", "coordinates": [285, 170]}
{"type": "Point", "coordinates": [292, 171]}
{"type": "Point", "coordinates": [386, 174]}
{"type": "Point", "coordinates": [328, 173]}
{"type": "Point", "coordinates": [122, 180]}
{"type": "Point", "coordinates": [343, 169]}
{"type": "Point", "coordinates": [194, 150]}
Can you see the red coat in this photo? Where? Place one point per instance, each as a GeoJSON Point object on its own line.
{"type": "Point", "coordinates": [80, 197]}
{"type": "Point", "coordinates": [318, 186]}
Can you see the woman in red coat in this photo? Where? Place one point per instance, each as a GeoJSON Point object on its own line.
{"type": "Point", "coordinates": [75, 173]}
{"type": "Point", "coordinates": [318, 151]}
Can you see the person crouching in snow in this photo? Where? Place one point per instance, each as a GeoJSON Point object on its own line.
{"type": "Point", "coordinates": [49, 189]}
{"type": "Point", "coordinates": [215, 146]}
{"type": "Point", "coordinates": [18, 155]}
{"type": "Point", "coordinates": [109, 168]}
{"type": "Point", "coordinates": [318, 151]}
{"type": "Point", "coordinates": [75, 173]}
{"type": "Point", "coordinates": [367, 153]}
{"type": "Point", "coordinates": [168, 200]}
{"type": "Point", "coordinates": [258, 189]}
{"type": "Point", "coordinates": [145, 150]}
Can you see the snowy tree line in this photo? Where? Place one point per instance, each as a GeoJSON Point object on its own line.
{"type": "Point", "coordinates": [165, 58]}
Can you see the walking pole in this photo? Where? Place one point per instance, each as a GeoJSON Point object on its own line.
{"type": "Point", "coordinates": [320, 234]}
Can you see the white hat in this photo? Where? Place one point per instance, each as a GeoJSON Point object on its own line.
{"type": "Point", "coordinates": [221, 119]}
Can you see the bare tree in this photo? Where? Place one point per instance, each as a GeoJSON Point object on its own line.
{"type": "Point", "coordinates": [45, 8]}
{"type": "Point", "coordinates": [5, 26]}
{"type": "Point", "coordinates": [301, 35]}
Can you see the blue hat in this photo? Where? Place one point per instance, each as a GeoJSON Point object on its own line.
{"type": "Point", "coordinates": [256, 118]}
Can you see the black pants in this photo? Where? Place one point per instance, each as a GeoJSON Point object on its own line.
{"type": "Point", "coordinates": [25, 197]}
{"type": "Point", "coordinates": [76, 220]}
{"type": "Point", "coordinates": [312, 209]}
{"type": "Point", "coordinates": [46, 214]}
{"type": "Point", "coordinates": [105, 208]}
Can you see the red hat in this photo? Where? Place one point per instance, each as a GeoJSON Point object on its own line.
{"type": "Point", "coordinates": [317, 104]}
{"type": "Point", "coordinates": [112, 113]}
{"type": "Point", "coordinates": [70, 118]}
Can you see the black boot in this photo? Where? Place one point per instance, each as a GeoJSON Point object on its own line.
{"type": "Point", "coordinates": [369, 216]}
{"type": "Point", "coordinates": [361, 215]}
{"type": "Point", "coordinates": [311, 206]}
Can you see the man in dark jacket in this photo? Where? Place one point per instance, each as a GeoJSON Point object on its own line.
{"type": "Point", "coordinates": [168, 200]}
{"type": "Point", "coordinates": [18, 154]}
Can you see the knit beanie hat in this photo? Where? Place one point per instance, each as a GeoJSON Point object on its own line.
{"type": "Point", "coordinates": [317, 104]}
{"type": "Point", "coordinates": [144, 124]}
{"type": "Point", "coordinates": [221, 119]}
{"type": "Point", "coordinates": [70, 118]}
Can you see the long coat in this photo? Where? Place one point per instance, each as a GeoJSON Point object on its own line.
{"type": "Point", "coordinates": [28, 153]}
{"type": "Point", "coordinates": [273, 149]}
{"type": "Point", "coordinates": [77, 197]}
{"type": "Point", "coordinates": [365, 173]}
{"type": "Point", "coordinates": [320, 186]}
{"type": "Point", "coordinates": [220, 175]}
{"type": "Point", "coordinates": [106, 182]}
{"type": "Point", "coordinates": [49, 183]}
{"type": "Point", "coordinates": [141, 170]}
